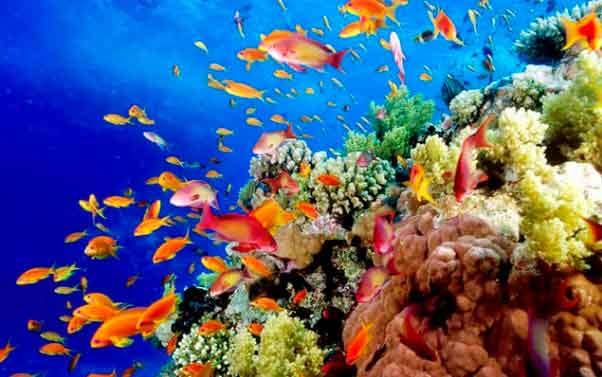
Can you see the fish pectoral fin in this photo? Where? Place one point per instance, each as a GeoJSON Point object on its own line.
{"type": "Point", "coordinates": [121, 342]}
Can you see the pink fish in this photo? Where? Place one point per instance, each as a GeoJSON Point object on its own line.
{"type": "Point", "coordinates": [234, 227]}
{"type": "Point", "coordinates": [383, 235]}
{"type": "Point", "coordinates": [283, 181]}
{"type": "Point", "coordinates": [270, 141]}
{"type": "Point", "coordinates": [364, 159]}
{"type": "Point", "coordinates": [299, 52]}
{"type": "Point", "coordinates": [227, 281]}
{"type": "Point", "coordinates": [398, 55]}
{"type": "Point", "coordinates": [412, 338]}
{"type": "Point", "coordinates": [381, 113]}
{"type": "Point", "coordinates": [465, 180]}
{"type": "Point", "coordinates": [371, 284]}
{"type": "Point", "coordinates": [195, 194]}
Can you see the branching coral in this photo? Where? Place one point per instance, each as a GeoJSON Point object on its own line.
{"type": "Point", "coordinates": [465, 107]}
{"type": "Point", "coordinates": [286, 349]}
{"type": "Point", "coordinates": [398, 125]}
{"type": "Point", "coordinates": [527, 93]}
{"type": "Point", "coordinates": [194, 347]}
{"type": "Point", "coordinates": [544, 39]}
{"type": "Point", "coordinates": [359, 186]}
{"type": "Point", "coordinates": [575, 115]}
{"type": "Point", "coordinates": [287, 158]}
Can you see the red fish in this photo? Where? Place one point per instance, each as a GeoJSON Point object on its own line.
{"type": "Point", "coordinates": [308, 210]}
{"type": "Point", "coordinates": [227, 281]}
{"type": "Point", "coordinates": [234, 227]}
{"type": "Point", "coordinates": [283, 181]}
{"type": "Point", "coordinates": [299, 52]}
{"type": "Point", "coordinates": [412, 338]}
{"type": "Point", "coordinates": [444, 25]}
{"type": "Point", "coordinates": [371, 284]}
{"type": "Point", "coordinates": [299, 296]}
{"type": "Point", "coordinates": [335, 366]}
{"type": "Point", "coordinates": [465, 180]}
{"type": "Point", "coordinates": [383, 235]}
{"type": "Point", "coordinates": [329, 180]}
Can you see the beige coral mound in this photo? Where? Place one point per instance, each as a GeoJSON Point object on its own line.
{"type": "Point", "coordinates": [460, 259]}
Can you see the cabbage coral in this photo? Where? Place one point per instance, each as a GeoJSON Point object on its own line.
{"type": "Point", "coordinates": [285, 349]}
{"type": "Point", "coordinates": [359, 186]}
{"type": "Point", "coordinates": [575, 115]}
{"type": "Point", "coordinates": [287, 158]}
{"type": "Point", "coordinates": [196, 348]}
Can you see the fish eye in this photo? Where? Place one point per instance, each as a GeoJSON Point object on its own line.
{"type": "Point", "coordinates": [195, 197]}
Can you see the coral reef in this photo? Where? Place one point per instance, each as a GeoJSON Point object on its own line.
{"type": "Point", "coordinates": [196, 348]}
{"type": "Point", "coordinates": [359, 186]}
{"type": "Point", "coordinates": [287, 158]}
{"type": "Point", "coordinates": [544, 39]}
{"type": "Point", "coordinates": [465, 107]}
{"type": "Point", "coordinates": [285, 348]}
{"type": "Point", "coordinates": [575, 114]}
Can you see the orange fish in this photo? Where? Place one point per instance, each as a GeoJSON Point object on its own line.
{"type": "Point", "coordinates": [252, 55]}
{"type": "Point", "coordinates": [587, 31]}
{"type": "Point", "coordinates": [255, 328]}
{"type": "Point", "coordinates": [34, 275]}
{"type": "Point", "coordinates": [5, 351]}
{"type": "Point", "coordinates": [136, 111]}
{"type": "Point", "coordinates": [118, 201]}
{"type": "Point", "coordinates": [100, 299]}
{"type": "Point", "coordinates": [419, 184]}
{"type": "Point", "coordinates": [595, 233]}
{"type": "Point", "coordinates": [54, 349]}
{"type": "Point", "coordinates": [75, 236]}
{"type": "Point", "coordinates": [75, 324]}
{"type": "Point", "coordinates": [238, 89]}
{"type": "Point", "coordinates": [211, 327]}
{"type": "Point", "coordinates": [266, 304]}
{"type": "Point", "coordinates": [157, 313]}
{"type": "Point", "coordinates": [92, 206]}
{"type": "Point", "coordinates": [118, 330]}
{"type": "Point", "coordinates": [175, 70]}
{"type": "Point", "coordinates": [368, 27]}
{"type": "Point", "coordinates": [168, 181]}
{"type": "Point", "coordinates": [444, 25]}
{"type": "Point", "coordinates": [271, 215]}
{"type": "Point", "coordinates": [73, 362]}
{"type": "Point", "coordinates": [151, 221]}
{"type": "Point", "coordinates": [227, 281]}
{"type": "Point", "coordinates": [299, 296]}
{"type": "Point", "coordinates": [256, 266]}
{"type": "Point", "coordinates": [95, 312]}
{"type": "Point", "coordinates": [358, 344]}
{"type": "Point", "coordinates": [169, 248]}
{"type": "Point", "coordinates": [304, 169]}
{"type": "Point", "coordinates": [329, 180]}
{"type": "Point", "coordinates": [368, 9]}
{"type": "Point", "coordinates": [308, 210]}
{"type": "Point", "coordinates": [101, 247]}
{"type": "Point", "coordinates": [131, 280]}
{"type": "Point", "coordinates": [112, 374]}
{"type": "Point", "coordinates": [197, 370]}
{"type": "Point", "coordinates": [215, 264]}
{"type": "Point", "coordinates": [34, 326]}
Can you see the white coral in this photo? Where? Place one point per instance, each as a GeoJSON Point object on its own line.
{"type": "Point", "coordinates": [465, 107]}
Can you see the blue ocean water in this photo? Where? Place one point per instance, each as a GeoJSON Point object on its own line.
{"type": "Point", "coordinates": [64, 64]}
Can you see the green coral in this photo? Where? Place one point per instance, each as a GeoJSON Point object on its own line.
{"type": "Point", "coordinates": [285, 349]}
{"type": "Point", "coordinates": [527, 93]}
{"type": "Point", "coordinates": [575, 115]}
{"type": "Point", "coordinates": [403, 124]}
{"type": "Point", "coordinates": [465, 107]}
{"type": "Point", "coordinates": [359, 186]}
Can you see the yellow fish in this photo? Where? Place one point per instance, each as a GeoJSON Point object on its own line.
{"type": "Point", "coordinates": [272, 216]}
{"type": "Point", "coordinates": [116, 119]}
{"type": "Point", "coordinates": [282, 74]}
{"type": "Point", "coordinates": [213, 174]}
{"type": "Point", "coordinates": [217, 67]}
{"type": "Point", "coordinates": [251, 121]}
{"type": "Point", "coordinates": [224, 131]}
{"type": "Point", "coordinates": [202, 46]}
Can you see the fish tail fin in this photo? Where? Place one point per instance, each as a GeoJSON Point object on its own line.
{"type": "Point", "coordinates": [208, 220]}
{"type": "Point", "coordinates": [436, 30]}
{"type": "Point", "coordinates": [101, 212]}
{"type": "Point", "coordinates": [288, 133]}
{"type": "Point", "coordinates": [248, 66]}
{"type": "Point", "coordinates": [390, 12]}
{"type": "Point", "coordinates": [479, 138]}
{"type": "Point", "coordinates": [337, 58]}
{"type": "Point", "coordinates": [572, 34]}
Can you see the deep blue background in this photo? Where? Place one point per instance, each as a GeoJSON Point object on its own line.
{"type": "Point", "coordinates": [64, 64]}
